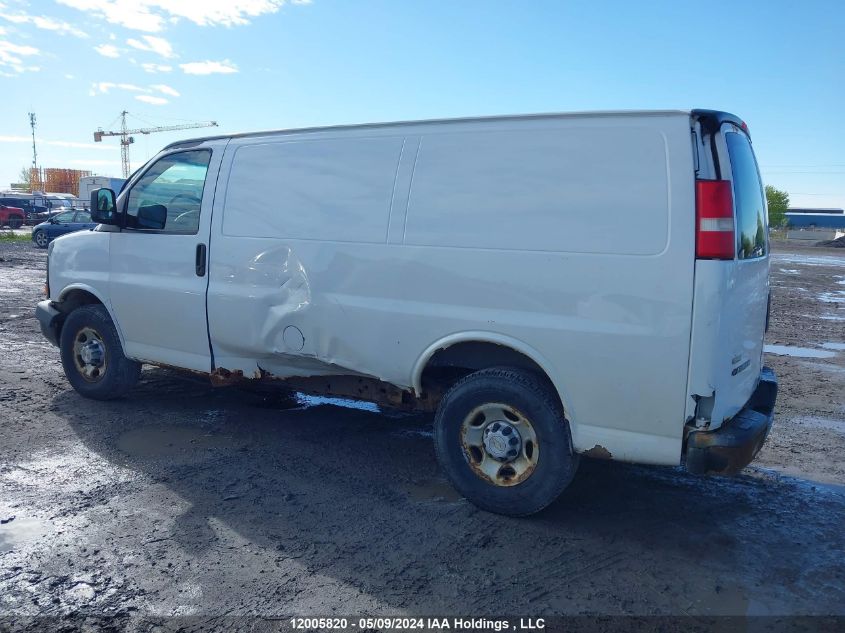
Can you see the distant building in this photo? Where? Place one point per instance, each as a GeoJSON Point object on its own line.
{"type": "Point", "coordinates": [815, 218]}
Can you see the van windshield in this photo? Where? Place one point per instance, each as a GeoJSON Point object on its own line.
{"type": "Point", "coordinates": [751, 221]}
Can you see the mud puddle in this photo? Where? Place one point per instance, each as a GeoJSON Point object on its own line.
{"type": "Point", "coordinates": [17, 531]}
{"type": "Point", "coordinates": [172, 442]}
{"type": "Point", "coordinates": [314, 401]}
{"type": "Point", "coordinates": [836, 346]}
{"type": "Point", "coordinates": [799, 352]}
{"type": "Point", "coordinates": [432, 490]}
{"type": "Point", "coordinates": [837, 296]}
{"type": "Point", "coordinates": [809, 260]}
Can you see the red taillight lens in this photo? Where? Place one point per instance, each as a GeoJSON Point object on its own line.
{"type": "Point", "coordinates": [714, 235]}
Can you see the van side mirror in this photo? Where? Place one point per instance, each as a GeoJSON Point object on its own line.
{"type": "Point", "coordinates": [103, 206]}
{"type": "Point", "coordinates": [151, 216]}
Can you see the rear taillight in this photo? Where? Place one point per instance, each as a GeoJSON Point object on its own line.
{"type": "Point", "coordinates": [714, 235]}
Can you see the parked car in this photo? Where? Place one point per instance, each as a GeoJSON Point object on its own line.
{"type": "Point", "coordinates": [33, 206]}
{"type": "Point", "coordinates": [65, 222]}
{"type": "Point", "coordinates": [13, 217]}
{"type": "Point", "coordinates": [552, 286]}
{"type": "Point", "coordinates": [55, 205]}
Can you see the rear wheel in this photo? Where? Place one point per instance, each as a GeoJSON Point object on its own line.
{"type": "Point", "coordinates": [92, 356]}
{"type": "Point", "coordinates": [501, 436]}
{"type": "Point", "coordinates": [15, 222]}
{"type": "Point", "coordinates": [40, 239]}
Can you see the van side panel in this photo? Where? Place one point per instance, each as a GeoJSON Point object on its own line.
{"type": "Point", "coordinates": [337, 189]}
{"type": "Point", "coordinates": [588, 190]}
{"type": "Point", "coordinates": [604, 305]}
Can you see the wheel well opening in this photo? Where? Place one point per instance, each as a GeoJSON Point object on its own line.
{"type": "Point", "coordinates": [448, 365]}
{"type": "Point", "coordinates": [74, 299]}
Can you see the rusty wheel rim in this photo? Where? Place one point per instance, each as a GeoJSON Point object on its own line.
{"type": "Point", "coordinates": [500, 444]}
{"type": "Point", "coordinates": [89, 354]}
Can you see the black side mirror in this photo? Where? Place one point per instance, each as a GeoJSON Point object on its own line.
{"type": "Point", "coordinates": [103, 206]}
{"type": "Point", "coordinates": [152, 216]}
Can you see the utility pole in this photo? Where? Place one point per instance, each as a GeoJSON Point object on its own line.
{"type": "Point", "coordinates": [35, 177]}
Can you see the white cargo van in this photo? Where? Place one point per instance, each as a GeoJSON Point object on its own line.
{"type": "Point", "coordinates": [550, 285]}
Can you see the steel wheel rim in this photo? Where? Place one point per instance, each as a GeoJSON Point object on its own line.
{"type": "Point", "coordinates": [89, 354]}
{"type": "Point", "coordinates": [487, 438]}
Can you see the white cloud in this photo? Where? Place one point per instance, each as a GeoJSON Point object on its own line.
{"type": "Point", "coordinates": [41, 141]}
{"type": "Point", "coordinates": [153, 44]}
{"type": "Point", "coordinates": [152, 16]}
{"type": "Point", "coordinates": [12, 57]}
{"type": "Point", "coordinates": [69, 76]}
{"type": "Point", "coordinates": [151, 99]}
{"type": "Point", "coordinates": [45, 23]}
{"type": "Point", "coordinates": [132, 15]}
{"type": "Point", "coordinates": [165, 89]}
{"type": "Point", "coordinates": [147, 93]}
{"type": "Point", "coordinates": [157, 68]}
{"type": "Point", "coordinates": [107, 50]}
{"type": "Point", "coordinates": [104, 87]}
{"type": "Point", "coordinates": [209, 68]}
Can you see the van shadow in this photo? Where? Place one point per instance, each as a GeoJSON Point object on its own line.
{"type": "Point", "coordinates": [358, 496]}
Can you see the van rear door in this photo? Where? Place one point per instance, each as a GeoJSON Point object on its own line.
{"type": "Point", "coordinates": [732, 286]}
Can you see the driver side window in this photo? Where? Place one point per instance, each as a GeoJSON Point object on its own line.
{"type": "Point", "coordinates": [173, 187]}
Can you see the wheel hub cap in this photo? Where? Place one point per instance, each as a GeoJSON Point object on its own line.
{"type": "Point", "coordinates": [499, 444]}
{"type": "Point", "coordinates": [92, 353]}
{"type": "Point", "coordinates": [502, 441]}
{"type": "Point", "coordinates": [89, 354]}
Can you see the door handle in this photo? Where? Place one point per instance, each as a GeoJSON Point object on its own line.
{"type": "Point", "coordinates": [200, 263]}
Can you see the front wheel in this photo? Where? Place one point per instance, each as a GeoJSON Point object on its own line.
{"type": "Point", "coordinates": [40, 239]}
{"type": "Point", "coordinates": [92, 356]}
{"type": "Point", "coordinates": [501, 436]}
{"type": "Point", "coordinates": [15, 223]}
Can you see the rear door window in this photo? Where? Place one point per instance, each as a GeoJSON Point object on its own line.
{"type": "Point", "coordinates": [749, 200]}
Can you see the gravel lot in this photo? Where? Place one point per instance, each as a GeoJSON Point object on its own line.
{"type": "Point", "coordinates": [188, 500]}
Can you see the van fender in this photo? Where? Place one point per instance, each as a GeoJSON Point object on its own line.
{"type": "Point", "coordinates": [100, 297]}
{"type": "Point", "coordinates": [497, 339]}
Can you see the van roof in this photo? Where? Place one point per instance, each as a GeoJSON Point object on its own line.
{"type": "Point", "coordinates": [509, 117]}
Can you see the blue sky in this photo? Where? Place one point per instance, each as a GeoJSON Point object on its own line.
{"type": "Point", "coordinates": [257, 64]}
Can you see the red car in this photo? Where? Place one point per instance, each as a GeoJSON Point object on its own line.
{"type": "Point", "coordinates": [11, 216]}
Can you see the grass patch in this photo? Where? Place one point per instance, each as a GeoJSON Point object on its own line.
{"type": "Point", "coordinates": [8, 236]}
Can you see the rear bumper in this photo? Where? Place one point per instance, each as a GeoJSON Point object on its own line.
{"type": "Point", "coordinates": [731, 447]}
{"type": "Point", "coordinates": [50, 320]}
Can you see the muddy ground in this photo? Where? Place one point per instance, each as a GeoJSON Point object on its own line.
{"type": "Point", "coordinates": [184, 500]}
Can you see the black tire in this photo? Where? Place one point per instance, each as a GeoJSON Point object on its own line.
{"type": "Point", "coordinates": [534, 398]}
{"type": "Point", "coordinates": [15, 222]}
{"type": "Point", "coordinates": [40, 239]}
{"type": "Point", "coordinates": [119, 374]}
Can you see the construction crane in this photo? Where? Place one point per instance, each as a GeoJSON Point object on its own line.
{"type": "Point", "coordinates": [126, 139]}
